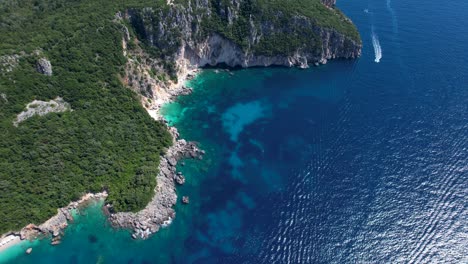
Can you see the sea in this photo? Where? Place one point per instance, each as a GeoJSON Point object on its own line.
{"type": "Point", "coordinates": [355, 161]}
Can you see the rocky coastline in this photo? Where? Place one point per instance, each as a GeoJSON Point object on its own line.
{"type": "Point", "coordinates": [147, 77]}
{"type": "Point", "coordinates": [154, 93]}
{"type": "Point", "coordinates": [55, 226]}
{"type": "Point", "coordinates": [179, 31]}
{"type": "Point", "coordinates": [160, 211]}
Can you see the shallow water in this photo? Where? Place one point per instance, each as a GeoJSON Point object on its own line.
{"type": "Point", "coordinates": [354, 161]}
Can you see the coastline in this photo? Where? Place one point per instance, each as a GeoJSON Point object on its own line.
{"type": "Point", "coordinates": [53, 227]}
{"type": "Point", "coordinates": [160, 210]}
{"type": "Point", "coordinates": [9, 241]}
{"type": "Point", "coordinates": [158, 213]}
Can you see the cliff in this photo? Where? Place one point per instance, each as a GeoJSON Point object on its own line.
{"type": "Point", "coordinates": [173, 40]}
{"type": "Point", "coordinates": [246, 33]}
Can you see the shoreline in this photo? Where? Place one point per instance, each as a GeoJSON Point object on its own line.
{"type": "Point", "coordinates": [53, 227]}
{"type": "Point", "coordinates": [158, 213]}
{"type": "Point", "coordinates": [9, 241]}
{"type": "Point", "coordinates": [160, 210]}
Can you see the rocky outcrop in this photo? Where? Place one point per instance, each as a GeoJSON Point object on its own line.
{"type": "Point", "coordinates": [9, 62]}
{"type": "Point", "coordinates": [159, 212]}
{"type": "Point", "coordinates": [44, 66]}
{"type": "Point", "coordinates": [329, 3]}
{"type": "Point", "coordinates": [42, 108]}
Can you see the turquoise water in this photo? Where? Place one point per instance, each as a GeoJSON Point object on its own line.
{"type": "Point", "coordinates": [351, 162]}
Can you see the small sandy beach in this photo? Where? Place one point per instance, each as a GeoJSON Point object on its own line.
{"type": "Point", "coordinates": [9, 241]}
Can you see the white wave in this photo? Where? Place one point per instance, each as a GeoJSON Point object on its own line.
{"type": "Point", "coordinates": [167, 222]}
{"type": "Point", "coordinates": [377, 47]}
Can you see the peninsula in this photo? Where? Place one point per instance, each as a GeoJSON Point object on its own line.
{"type": "Point", "coordinates": [99, 138]}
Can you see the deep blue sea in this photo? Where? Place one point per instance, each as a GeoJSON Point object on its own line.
{"type": "Point", "coordinates": [351, 162]}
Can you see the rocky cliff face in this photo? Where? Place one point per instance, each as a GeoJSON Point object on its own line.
{"type": "Point", "coordinates": [181, 38]}
{"type": "Point", "coordinates": [208, 33]}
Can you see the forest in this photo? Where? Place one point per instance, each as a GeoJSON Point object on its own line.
{"type": "Point", "coordinates": [107, 142]}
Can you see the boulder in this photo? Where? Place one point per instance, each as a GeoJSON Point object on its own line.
{"type": "Point", "coordinates": [56, 240]}
{"type": "Point", "coordinates": [28, 251]}
{"type": "Point", "coordinates": [180, 179]}
{"type": "Point", "coordinates": [43, 66]}
{"type": "Point", "coordinates": [172, 161]}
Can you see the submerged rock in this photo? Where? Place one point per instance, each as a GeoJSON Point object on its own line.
{"type": "Point", "coordinates": [56, 240]}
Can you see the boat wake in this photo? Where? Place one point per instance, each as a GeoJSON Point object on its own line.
{"type": "Point", "coordinates": [377, 47]}
{"type": "Point", "coordinates": [394, 18]}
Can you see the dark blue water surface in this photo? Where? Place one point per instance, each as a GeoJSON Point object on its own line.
{"type": "Point", "coordinates": [351, 162]}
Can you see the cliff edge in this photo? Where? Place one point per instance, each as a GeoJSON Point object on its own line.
{"type": "Point", "coordinates": [246, 33]}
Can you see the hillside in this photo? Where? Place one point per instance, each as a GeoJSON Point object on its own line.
{"type": "Point", "coordinates": [104, 139]}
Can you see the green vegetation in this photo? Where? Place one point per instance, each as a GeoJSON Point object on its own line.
{"type": "Point", "coordinates": [279, 14]}
{"type": "Point", "coordinates": [108, 142]}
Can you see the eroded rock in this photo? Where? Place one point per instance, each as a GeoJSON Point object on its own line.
{"type": "Point", "coordinates": [44, 66]}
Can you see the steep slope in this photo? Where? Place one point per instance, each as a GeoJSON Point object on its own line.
{"type": "Point", "coordinates": [248, 33]}
{"type": "Point", "coordinates": [106, 141]}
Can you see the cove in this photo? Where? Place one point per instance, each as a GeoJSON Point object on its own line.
{"type": "Point", "coordinates": [350, 162]}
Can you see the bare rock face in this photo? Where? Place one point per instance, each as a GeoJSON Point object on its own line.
{"type": "Point", "coordinates": [42, 108]}
{"type": "Point", "coordinates": [9, 62]}
{"type": "Point", "coordinates": [179, 31]}
{"type": "Point", "coordinates": [43, 66]}
{"type": "Point", "coordinates": [329, 3]}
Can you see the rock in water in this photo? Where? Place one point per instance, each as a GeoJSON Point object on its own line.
{"type": "Point", "coordinates": [56, 240]}
{"type": "Point", "coordinates": [43, 66]}
{"type": "Point", "coordinates": [28, 251]}
{"type": "Point", "coordinates": [185, 200]}
{"type": "Point", "coordinates": [180, 179]}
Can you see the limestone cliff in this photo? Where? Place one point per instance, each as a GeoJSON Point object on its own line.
{"type": "Point", "coordinates": [176, 39]}
{"type": "Point", "coordinates": [245, 33]}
